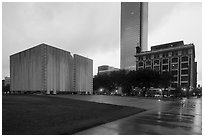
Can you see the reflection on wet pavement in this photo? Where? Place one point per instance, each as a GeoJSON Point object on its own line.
{"type": "Point", "coordinates": [175, 118]}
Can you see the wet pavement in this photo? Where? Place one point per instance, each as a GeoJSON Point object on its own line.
{"type": "Point", "coordinates": [181, 117]}
{"type": "Point", "coordinates": [118, 100]}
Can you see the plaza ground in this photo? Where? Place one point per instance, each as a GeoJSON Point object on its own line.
{"type": "Point", "coordinates": [162, 117]}
{"type": "Point", "coordinates": [178, 117]}
{"type": "Point", "coordinates": [53, 115]}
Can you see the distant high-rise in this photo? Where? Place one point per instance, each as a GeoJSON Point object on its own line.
{"type": "Point", "coordinates": [134, 31]}
{"type": "Point", "coordinates": [105, 69]}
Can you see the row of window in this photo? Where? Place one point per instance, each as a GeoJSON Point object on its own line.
{"type": "Point", "coordinates": [164, 62]}
{"type": "Point", "coordinates": [183, 78]}
{"type": "Point", "coordinates": [183, 84]}
{"type": "Point", "coordinates": [184, 75]}
{"type": "Point", "coordinates": [184, 66]}
{"type": "Point", "coordinates": [183, 72]}
{"type": "Point", "coordinates": [166, 54]}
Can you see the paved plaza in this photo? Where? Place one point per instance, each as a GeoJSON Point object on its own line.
{"type": "Point", "coordinates": [181, 117]}
{"type": "Point", "coordinates": [119, 100]}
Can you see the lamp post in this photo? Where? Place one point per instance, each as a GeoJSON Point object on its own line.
{"type": "Point", "coordinates": [186, 91]}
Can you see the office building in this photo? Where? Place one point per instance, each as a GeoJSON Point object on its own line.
{"type": "Point", "coordinates": [176, 57]}
{"type": "Point", "coordinates": [47, 69]}
{"type": "Point", "coordinates": [134, 32]}
{"type": "Point", "coordinates": [105, 69]}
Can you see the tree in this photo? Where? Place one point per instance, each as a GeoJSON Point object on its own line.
{"type": "Point", "coordinates": [101, 81]}
{"type": "Point", "coordinates": [120, 79]}
{"type": "Point", "coordinates": [127, 80]}
{"type": "Point", "coordinates": [146, 78]}
{"type": "Point", "coordinates": [165, 79]}
{"type": "Point", "coordinates": [5, 88]}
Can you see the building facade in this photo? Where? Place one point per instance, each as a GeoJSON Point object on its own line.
{"type": "Point", "coordinates": [83, 74]}
{"type": "Point", "coordinates": [134, 31]}
{"type": "Point", "coordinates": [176, 58]}
{"type": "Point", "coordinates": [48, 69]}
{"type": "Point", "coordinates": [105, 69]}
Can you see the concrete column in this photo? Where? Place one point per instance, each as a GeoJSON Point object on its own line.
{"type": "Point", "coordinates": [48, 92]}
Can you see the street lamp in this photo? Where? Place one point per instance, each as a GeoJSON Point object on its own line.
{"type": "Point", "coordinates": [184, 89]}
{"type": "Point", "coordinates": [101, 90]}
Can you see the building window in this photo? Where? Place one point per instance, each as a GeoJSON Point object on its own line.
{"type": "Point", "coordinates": [184, 84]}
{"type": "Point", "coordinates": [170, 54]}
{"type": "Point", "coordinates": [185, 58]}
{"type": "Point", "coordinates": [148, 63]}
{"type": "Point", "coordinates": [184, 78]}
{"type": "Point", "coordinates": [148, 57]}
{"type": "Point", "coordinates": [175, 79]}
{"type": "Point", "coordinates": [174, 66]}
{"type": "Point", "coordinates": [175, 72]}
{"type": "Point", "coordinates": [165, 67]}
{"type": "Point", "coordinates": [185, 52]}
{"type": "Point", "coordinates": [140, 64]}
{"type": "Point", "coordinates": [183, 72]}
{"type": "Point", "coordinates": [174, 84]}
{"type": "Point", "coordinates": [148, 68]}
{"type": "Point", "coordinates": [156, 68]}
{"type": "Point", "coordinates": [175, 53]}
{"type": "Point", "coordinates": [190, 51]}
{"type": "Point", "coordinates": [174, 60]}
{"type": "Point", "coordinates": [140, 58]}
{"type": "Point", "coordinates": [156, 62]}
{"type": "Point", "coordinates": [156, 56]}
{"type": "Point", "coordinates": [184, 65]}
{"type": "Point", "coordinates": [165, 55]}
{"type": "Point", "coordinates": [165, 61]}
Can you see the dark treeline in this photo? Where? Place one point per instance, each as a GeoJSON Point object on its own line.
{"type": "Point", "coordinates": [5, 88]}
{"type": "Point", "coordinates": [128, 80]}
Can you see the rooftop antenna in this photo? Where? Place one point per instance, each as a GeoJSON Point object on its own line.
{"type": "Point", "coordinates": [138, 48]}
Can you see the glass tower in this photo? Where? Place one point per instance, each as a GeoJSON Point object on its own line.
{"type": "Point", "coordinates": [134, 31]}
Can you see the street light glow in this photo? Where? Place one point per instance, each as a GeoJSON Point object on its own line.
{"type": "Point", "coordinates": [101, 90]}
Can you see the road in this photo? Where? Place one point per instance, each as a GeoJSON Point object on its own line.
{"type": "Point", "coordinates": [181, 117]}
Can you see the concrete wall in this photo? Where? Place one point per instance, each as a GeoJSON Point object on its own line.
{"type": "Point", "coordinates": [26, 69]}
{"type": "Point", "coordinates": [49, 69]}
{"type": "Point", "coordinates": [83, 74]}
{"type": "Point", "coordinates": [59, 70]}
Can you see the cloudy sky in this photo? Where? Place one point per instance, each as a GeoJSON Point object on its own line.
{"type": "Point", "coordinates": [93, 29]}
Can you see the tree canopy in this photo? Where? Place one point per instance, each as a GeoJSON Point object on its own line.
{"type": "Point", "coordinates": [144, 78]}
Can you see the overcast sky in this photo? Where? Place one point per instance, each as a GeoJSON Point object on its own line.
{"type": "Point", "coordinates": [93, 29]}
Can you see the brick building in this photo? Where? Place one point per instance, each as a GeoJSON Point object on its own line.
{"type": "Point", "coordinates": [176, 57]}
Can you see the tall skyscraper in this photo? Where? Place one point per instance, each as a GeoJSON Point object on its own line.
{"type": "Point", "coordinates": [134, 31]}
